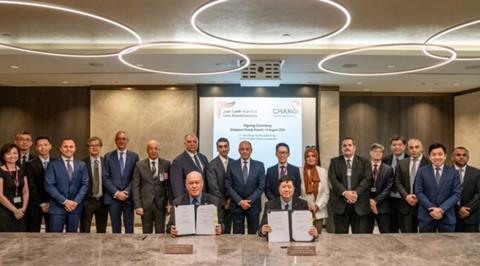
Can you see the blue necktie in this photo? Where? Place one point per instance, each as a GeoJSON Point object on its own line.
{"type": "Point", "coordinates": [195, 202]}
{"type": "Point", "coordinates": [122, 163]}
{"type": "Point", "coordinates": [245, 171]}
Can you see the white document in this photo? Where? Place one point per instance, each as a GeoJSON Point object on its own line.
{"type": "Point", "coordinates": [185, 219]}
{"type": "Point", "coordinates": [278, 220]}
{"type": "Point", "coordinates": [206, 219]}
{"type": "Point", "coordinates": [301, 223]}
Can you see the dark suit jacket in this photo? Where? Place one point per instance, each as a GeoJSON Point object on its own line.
{"type": "Point", "coordinates": [252, 190]}
{"type": "Point", "coordinates": [298, 204]}
{"type": "Point", "coordinates": [383, 184]}
{"type": "Point", "coordinates": [337, 174]}
{"type": "Point", "coordinates": [185, 200]}
{"type": "Point", "coordinates": [89, 165]}
{"type": "Point", "coordinates": [112, 180]}
{"type": "Point", "coordinates": [272, 177]}
{"type": "Point", "coordinates": [30, 157]}
{"type": "Point", "coordinates": [402, 182]}
{"type": "Point", "coordinates": [60, 188]}
{"type": "Point", "coordinates": [36, 182]}
{"type": "Point", "coordinates": [471, 194]}
{"type": "Point", "coordinates": [181, 167]}
{"type": "Point", "coordinates": [216, 175]}
{"type": "Point", "coordinates": [444, 195]}
{"type": "Point", "coordinates": [148, 190]}
{"type": "Point", "coordinates": [389, 158]}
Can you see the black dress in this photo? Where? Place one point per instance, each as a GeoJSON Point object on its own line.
{"type": "Point", "coordinates": [8, 222]}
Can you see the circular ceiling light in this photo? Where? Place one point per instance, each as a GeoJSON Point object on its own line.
{"type": "Point", "coordinates": [204, 7]}
{"type": "Point", "coordinates": [451, 51]}
{"type": "Point", "coordinates": [130, 49]}
{"type": "Point", "coordinates": [71, 11]}
{"type": "Point", "coordinates": [445, 32]}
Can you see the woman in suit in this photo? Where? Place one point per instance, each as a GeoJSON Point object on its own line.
{"type": "Point", "coordinates": [314, 188]}
{"type": "Point", "coordinates": [13, 191]}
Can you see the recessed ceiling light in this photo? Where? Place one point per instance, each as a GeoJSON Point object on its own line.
{"type": "Point", "coordinates": [207, 5]}
{"type": "Point", "coordinates": [456, 84]}
{"type": "Point", "coordinates": [391, 66]}
{"type": "Point", "coordinates": [69, 11]}
{"type": "Point", "coordinates": [321, 64]}
{"type": "Point", "coordinates": [365, 89]}
{"type": "Point", "coordinates": [14, 67]}
{"type": "Point", "coordinates": [172, 88]}
{"type": "Point", "coordinates": [359, 83]}
{"type": "Point", "coordinates": [128, 88]}
{"type": "Point", "coordinates": [65, 82]}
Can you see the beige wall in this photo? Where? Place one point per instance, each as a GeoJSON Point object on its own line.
{"type": "Point", "coordinates": [144, 114]}
{"type": "Point", "coordinates": [329, 124]}
{"type": "Point", "coordinates": [467, 125]}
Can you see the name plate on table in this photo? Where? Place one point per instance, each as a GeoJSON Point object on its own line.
{"type": "Point", "coordinates": [301, 251]}
{"type": "Point", "coordinates": [179, 249]}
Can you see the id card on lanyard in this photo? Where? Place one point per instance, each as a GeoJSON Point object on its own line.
{"type": "Point", "coordinates": [17, 198]}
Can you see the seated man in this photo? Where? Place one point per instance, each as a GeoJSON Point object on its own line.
{"type": "Point", "coordinates": [286, 201]}
{"type": "Point", "coordinates": [195, 196]}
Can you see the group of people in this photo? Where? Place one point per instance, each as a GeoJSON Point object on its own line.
{"type": "Point", "coordinates": [402, 191]}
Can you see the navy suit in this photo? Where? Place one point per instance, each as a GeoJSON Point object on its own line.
{"type": "Point", "coordinates": [445, 195]}
{"type": "Point", "coordinates": [251, 190]}
{"type": "Point", "coordinates": [60, 188]}
{"type": "Point", "coordinates": [113, 181]}
{"type": "Point", "coordinates": [272, 177]}
{"type": "Point", "coordinates": [181, 167]}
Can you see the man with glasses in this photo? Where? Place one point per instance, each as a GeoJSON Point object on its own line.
{"type": "Point", "coordinates": [23, 140]}
{"type": "Point", "coordinates": [279, 170]}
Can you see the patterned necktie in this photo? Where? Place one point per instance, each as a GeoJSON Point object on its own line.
{"type": "Point", "coordinates": [121, 161]}
{"type": "Point", "coordinates": [349, 174]}
{"type": "Point", "coordinates": [195, 202]}
{"type": "Point", "coordinates": [461, 174]}
{"type": "Point", "coordinates": [96, 178]}
{"type": "Point", "coordinates": [245, 171]}
{"type": "Point", "coordinates": [154, 169]}
{"type": "Point", "coordinates": [287, 207]}
{"type": "Point", "coordinates": [69, 170]}
{"type": "Point", "coordinates": [45, 164]}
{"type": "Point", "coordinates": [283, 171]}
{"type": "Point", "coordinates": [437, 175]}
{"type": "Point", "coordinates": [413, 172]}
{"type": "Point", "coordinates": [197, 162]}
{"type": "Point", "coordinates": [375, 172]}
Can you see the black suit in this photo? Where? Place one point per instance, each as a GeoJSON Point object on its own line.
{"type": "Point", "coordinates": [272, 177]}
{"type": "Point", "coordinates": [92, 205]}
{"type": "Point", "coordinates": [346, 214]}
{"type": "Point", "coordinates": [470, 198]}
{"type": "Point", "coordinates": [408, 214]}
{"type": "Point", "coordinates": [216, 175]}
{"type": "Point", "coordinates": [380, 192]}
{"type": "Point", "coordinates": [182, 165]}
{"type": "Point", "coordinates": [38, 195]}
{"type": "Point", "coordinates": [394, 201]}
{"type": "Point", "coordinates": [298, 204]}
{"type": "Point", "coordinates": [30, 157]}
{"type": "Point", "coordinates": [185, 200]}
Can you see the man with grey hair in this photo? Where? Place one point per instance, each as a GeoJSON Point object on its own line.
{"type": "Point", "coordinates": [382, 182]}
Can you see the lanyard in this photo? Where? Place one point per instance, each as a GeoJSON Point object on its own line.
{"type": "Point", "coordinates": [15, 179]}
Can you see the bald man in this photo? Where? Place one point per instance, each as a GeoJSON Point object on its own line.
{"type": "Point", "coordinates": [150, 189]}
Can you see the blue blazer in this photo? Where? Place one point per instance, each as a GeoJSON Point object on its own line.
{"type": "Point", "coordinates": [445, 195]}
{"type": "Point", "coordinates": [182, 165]}
{"type": "Point", "coordinates": [252, 190]}
{"type": "Point", "coordinates": [60, 188]}
{"type": "Point", "coordinates": [271, 181]}
{"type": "Point", "coordinates": [112, 180]}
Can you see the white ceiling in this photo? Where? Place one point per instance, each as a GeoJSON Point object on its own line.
{"type": "Point", "coordinates": [373, 22]}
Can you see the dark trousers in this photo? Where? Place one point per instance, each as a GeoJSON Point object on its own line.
{"type": "Point", "coordinates": [383, 222]}
{"type": "Point", "coordinates": [153, 217]}
{"type": "Point", "coordinates": [408, 222]}
{"type": "Point", "coordinates": [238, 218]}
{"type": "Point", "coordinates": [434, 226]}
{"type": "Point", "coordinates": [91, 207]}
{"type": "Point", "coordinates": [349, 218]}
{"type": "Point", "coordinates": [34, 218]}
{"type": "Point", "coordinates": [227, 221]}
{"type": "Point", "coordinates": [466, 228]}
{"type": "Point", "coordinates": [395, 215]}
{"type": "Point", "coordinates": [117, 209]}
{"type": "Point", "coordinates": [69, 221]}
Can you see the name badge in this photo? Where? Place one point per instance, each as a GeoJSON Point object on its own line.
{"type": "Point", "coordinates": [161, 177]}
{"type": "Point", "coordinates": [17, 200]}
{"type": "Point", "coordinates": [373, 189]}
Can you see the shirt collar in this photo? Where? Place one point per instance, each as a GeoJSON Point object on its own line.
{"type": "Point", "coordinates": [458, 167]}
{"type": "Point", "coordinates": [65, 158]}
{"type": "Point", "coordinates": [402, 156]}
{"type": "Point", "coordinates": [286, 202]}
{"type": "Point", "coordinates": [280, 165]}
{"type": "Point", "coordinates": [44, 160]}
{"type": "Point", "coordinates": [351, 158]}
{"type": "Point", "coordinates": [418, 159]}
{"type": "Point", "coordinates": [199, 198]}
{"type": "Point", "coordinates": [191, 153]}
{"type": "Point", "coordinates": [119, 151]}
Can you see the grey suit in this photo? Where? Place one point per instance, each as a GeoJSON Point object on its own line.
{"type": "Point", "coordinates": [151, 193]}
{"type": "Point", "coordinates": [216, 175]}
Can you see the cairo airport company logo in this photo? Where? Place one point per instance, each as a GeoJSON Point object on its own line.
{"type": "Point", "coordinates": [220, 106]}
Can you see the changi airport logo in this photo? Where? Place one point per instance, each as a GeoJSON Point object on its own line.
{"type": "Point", "coordinates": [290, 111]}
{"type": "Point", "coordinates": [220, 106]}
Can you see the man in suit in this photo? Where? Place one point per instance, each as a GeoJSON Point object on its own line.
{"type": "Point", "coordinates": [188, 161]}
{"type": "Point", "coordinates": [467, 209]}
{"type": "Point", "coordinates": [117, 178]}
{"type": "Point", "coordinates": [279, 170]}
{"type": "Point", "coordinates": [195, 196]}
{"type": "Point", "coordinates": [350, 189]}
{"type": "Point", "coordinates": [39, 200]}
{"type": "Point", "coordinates": [245, 184]}
{"type": "Point", "coordinates": [397, 148]}
{"type": "Point", "coordinates": [216, 172]}
{"type": "Point", "coordinates": [94, 202]}
{"type": "Point", "coordinates": [151, 190]}
{"type": "Point", "coordinates": [438, 190]}
{"type": "Point", "coordinates": [405, 177]}
{"type": "Point", "coordinates": [66, 180]}
{"type": "Point", "coordinates": [382, 179]}
{"type": "Point", "coordinates": [285, 201]}
{"type": "Point", "coordinates": [23, 140]}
